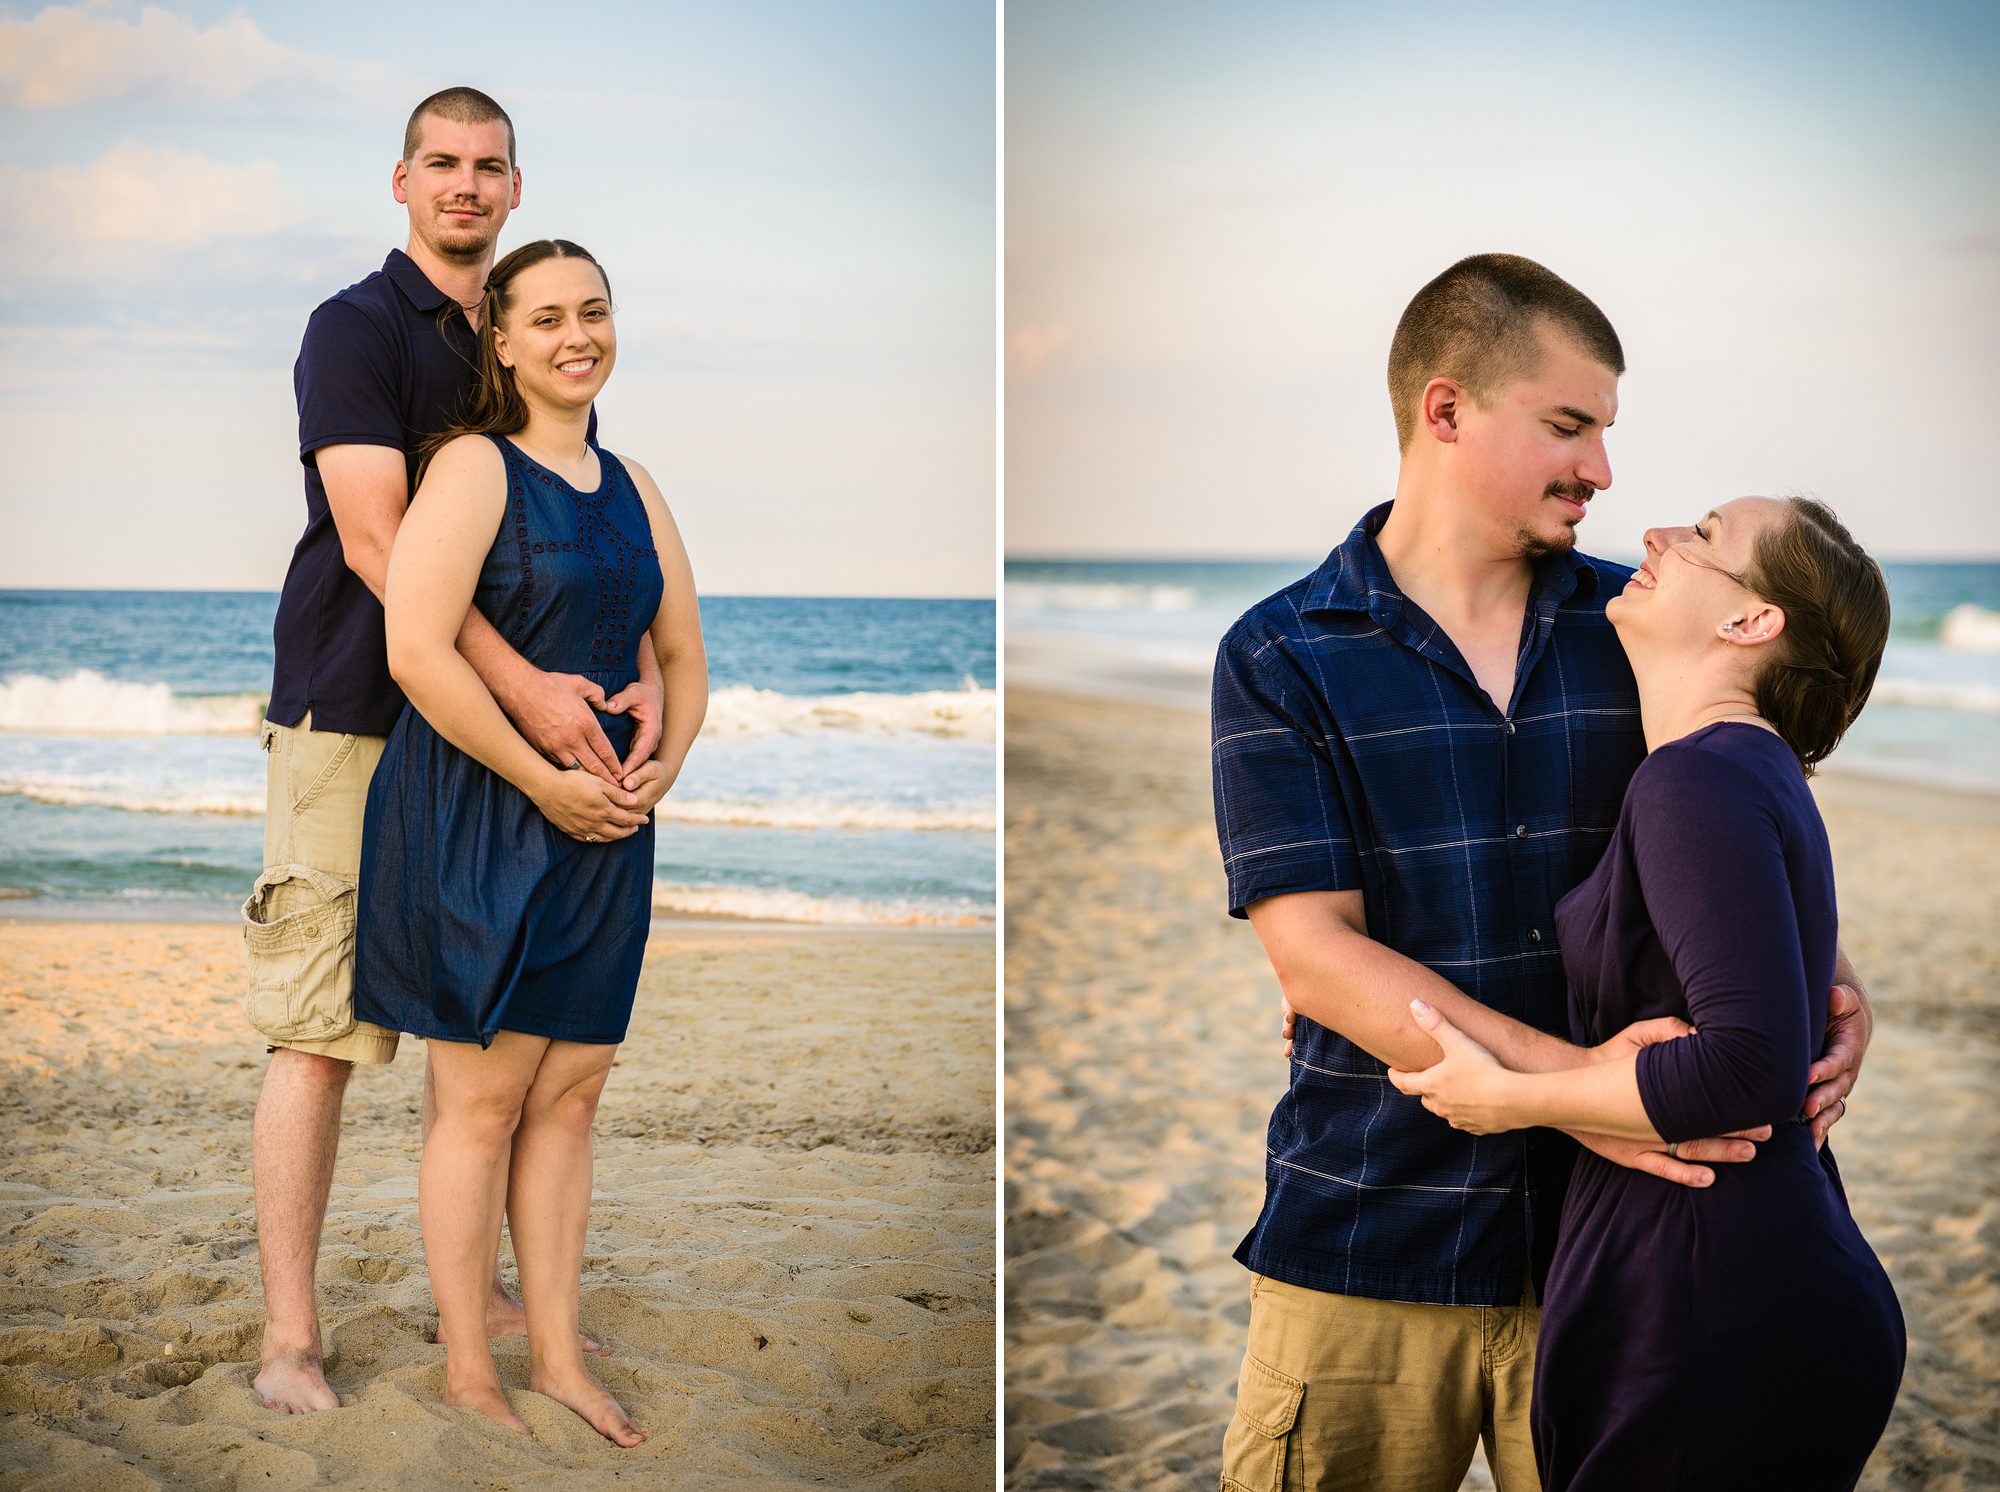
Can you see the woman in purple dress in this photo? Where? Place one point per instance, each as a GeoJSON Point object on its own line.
{"type": "Point", "coordinates": [1742, 1334]}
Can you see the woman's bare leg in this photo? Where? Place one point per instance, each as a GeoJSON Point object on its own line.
{"type": "Point", "coordinates": [548, 1209]}
{"type": "Point", "coordinates": [461, 1195]}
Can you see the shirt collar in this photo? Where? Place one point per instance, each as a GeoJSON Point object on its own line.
{"type": "Point", "coordinates": [414, 283]}
{"type": "Point", "coordinates": [1355, 577]}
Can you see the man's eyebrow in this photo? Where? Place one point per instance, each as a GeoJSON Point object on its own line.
{"type": "Point", "coordinates": [1578, 417]}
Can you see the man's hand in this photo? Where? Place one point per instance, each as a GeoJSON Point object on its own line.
{"type": "Point", "coordinates": [1641, 1034]}
{"type": "Point", "coordinates": [1849, 1026]}
{"type": "Point", "coordinates": [1291, 1020]}
{"type": "Point", "coordinates": [642, 701]}
{"type": "Point", "coordinates": [1694, 1156]}
{"type": "Point", "coordinates": [553, 710]}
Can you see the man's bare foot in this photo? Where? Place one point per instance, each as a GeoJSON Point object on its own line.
{"type": "Point", "coordinates": [579, 1391]}
{"type": "Point", "coordinates": [490, 1399]}
{"type": "Point", "coordinates": [294, 1382]}
{"type": "Point", "coordinates": [505, 1318]}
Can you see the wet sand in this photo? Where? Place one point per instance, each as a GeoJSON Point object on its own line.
{"type": "Point", "coordinates": [790, 1250]}
{"type": "Point", "coordinates": [1143, 1061]}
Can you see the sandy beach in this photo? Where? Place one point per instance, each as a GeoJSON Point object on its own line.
{"type": "Point", "coordinates": [1143, 1060]}
{"type": "Point", "coordinates": [790, 1251]}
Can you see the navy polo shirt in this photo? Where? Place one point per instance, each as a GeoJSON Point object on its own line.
{"type": "Point", "coordinates": [1354, 750]}
{"type": "Point", "coordinates": [389, 361]}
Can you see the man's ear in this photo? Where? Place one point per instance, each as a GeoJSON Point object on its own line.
{"type": "Point", "coordinates": [399, 181]}
{"type": "Point", "coordinates": [517, 190]}
{"type": "Point", "coordinates": [1440, 408]}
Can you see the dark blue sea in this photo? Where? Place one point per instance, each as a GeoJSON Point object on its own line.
{"type": "Point", "coordinates": [1147, 629]}
{"type": "Point", "coordinates": [845, 773]}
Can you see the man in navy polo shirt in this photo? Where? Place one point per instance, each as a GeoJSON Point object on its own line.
{"type": "Point", "coordinates": [1418, 749]}
{"type": "Point", "coordinates": [384, 365]}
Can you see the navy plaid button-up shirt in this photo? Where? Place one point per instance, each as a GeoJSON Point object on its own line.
{"type": "Point", "coordinates": [1353, 750]}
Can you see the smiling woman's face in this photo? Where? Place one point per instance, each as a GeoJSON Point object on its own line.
{"type": "Point", "coordinates": [1690, 585]}
{"type": "Point", "coordinates": [557, 333]}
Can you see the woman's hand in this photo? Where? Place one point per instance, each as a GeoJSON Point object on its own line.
{"type": "Point", "coordinates": [647, 786]}
{"type": "Point", "coordinates": [585, 806]}
{"type": "Point", "coordinates": [1467, 1088]}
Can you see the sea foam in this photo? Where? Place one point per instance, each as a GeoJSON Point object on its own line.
{"type": "Point", "coordinates": [1971, 629]}
{"type": "Point", "coordinates": [88, 703]}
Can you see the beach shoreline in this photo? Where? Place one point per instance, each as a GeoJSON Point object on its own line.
{"type": "Point", "coordinates": [790, 1249]}
{"type": "Point", "coordinates": [1143, 1061]}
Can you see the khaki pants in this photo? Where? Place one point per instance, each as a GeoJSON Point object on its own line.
{"type": "Point", "coordinates": [298, 925]}
{"type": "Point", "coordinates": [1340, 1391]}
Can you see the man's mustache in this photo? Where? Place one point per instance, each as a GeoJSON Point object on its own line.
{"type": "Point", "coordinates": [1576, 492]}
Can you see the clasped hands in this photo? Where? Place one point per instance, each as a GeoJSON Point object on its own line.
{"type": "Point", "coordinates": [606, 798]}
{"type": "Point", "coordinates": [1463, 1086]}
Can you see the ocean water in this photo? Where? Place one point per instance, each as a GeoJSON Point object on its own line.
{"type": "Point", "coordinates": [845, 773]}
{"type": "Point", "coordinates": [1147, 630]}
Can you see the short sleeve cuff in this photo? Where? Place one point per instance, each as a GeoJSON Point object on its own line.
{"type": "Point", "coordinates": [1321, 865]}
{"type": "Point", "coordinates": [359, 438]}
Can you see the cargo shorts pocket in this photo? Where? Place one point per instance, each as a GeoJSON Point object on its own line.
{"type": "Point", "coordinates": [1255, 1445]}
{"type": "Point", "coordinates": [298, 939]}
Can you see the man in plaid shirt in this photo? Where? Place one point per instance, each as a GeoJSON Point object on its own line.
{"type": "Point", "coordinates": [1418, 749]}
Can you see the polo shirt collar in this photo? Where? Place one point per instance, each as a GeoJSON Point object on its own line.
{"type": "Point", "coordinates": [1355, 577]}
{"type": "Point", "coordinates": [414, 283]}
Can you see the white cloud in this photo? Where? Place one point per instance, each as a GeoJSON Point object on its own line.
{"type": "Point", "coordinates": [71, 54]}
{"type": "Point", "coordinates": [155, 195]}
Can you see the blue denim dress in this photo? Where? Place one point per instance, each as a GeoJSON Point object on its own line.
{"type": "Point", "coordinates": [477, 915]}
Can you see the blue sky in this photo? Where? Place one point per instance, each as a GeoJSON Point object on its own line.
{"type": "Point", "coordinates": [1215, 215]}
{"type": "Point", "coordinates": [795, 202]}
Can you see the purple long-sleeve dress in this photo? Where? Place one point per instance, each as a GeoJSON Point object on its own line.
{"type": "Point", "coordinates": [1742, 1335]}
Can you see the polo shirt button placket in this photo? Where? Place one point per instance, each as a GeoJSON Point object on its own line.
{"type": "Point", "coordinates": [1510, 727]}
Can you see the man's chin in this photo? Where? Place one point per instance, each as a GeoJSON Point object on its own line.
{"type": "Point", "coordinates": [463, 245]}
{"type": "Point", "coordinates": [1533, 544]}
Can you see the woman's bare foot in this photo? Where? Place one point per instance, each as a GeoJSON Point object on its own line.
{"type": "Point", "coordinates": [578, 1391]}
{"type": "Point", "coordinates": [505, 1318]}
{"type": "Point", "coordinates": [490, 1399]}
{"type": "Point", "coordinates": [294, 1382]}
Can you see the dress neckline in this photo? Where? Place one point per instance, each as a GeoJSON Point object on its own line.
{"type": "Point", "coordinates": [602, 471]}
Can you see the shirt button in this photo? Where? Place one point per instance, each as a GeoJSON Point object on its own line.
{"type": "Point", "coordinates": [1534, 935]}
{"type": "Point", "coordinates": [1520, 831]}
{"type": "Point", "coordinates": [1510, 727]}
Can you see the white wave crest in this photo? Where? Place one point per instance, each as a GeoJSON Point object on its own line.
{"type": "Point", "coordinates": [809, 814]}
{"type": "Point", "coordinates": [799, 906]}
{"type": "Point", "coordinates": [87, 703]}
{"type": "Point", "coordinates": [1971, 629]}
{"type": "Point", "coordinates": [1970, 699]}
{"type": "Point", "coordinates": [741, 709]}
{"type": "Point", "coordinates": [1057, 595]}
{"type": "Point", "coordinates": [80, 792]}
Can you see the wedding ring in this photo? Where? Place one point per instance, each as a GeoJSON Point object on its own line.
{"type": "Point", "coordinates": [590, 839]}
{"type": "Point", "coordinates": [1674, 1149]}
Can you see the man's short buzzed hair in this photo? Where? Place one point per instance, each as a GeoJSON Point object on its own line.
{"type": "Point", "coordinates": [1477, 323]}
{"type": "Point", "coordinates": [460, 106]}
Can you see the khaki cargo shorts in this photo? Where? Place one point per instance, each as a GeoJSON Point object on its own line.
{"type": "Point", "coordinates": [1340, 1393]}
{"type": "Point", "coordinates": [298, 925]}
